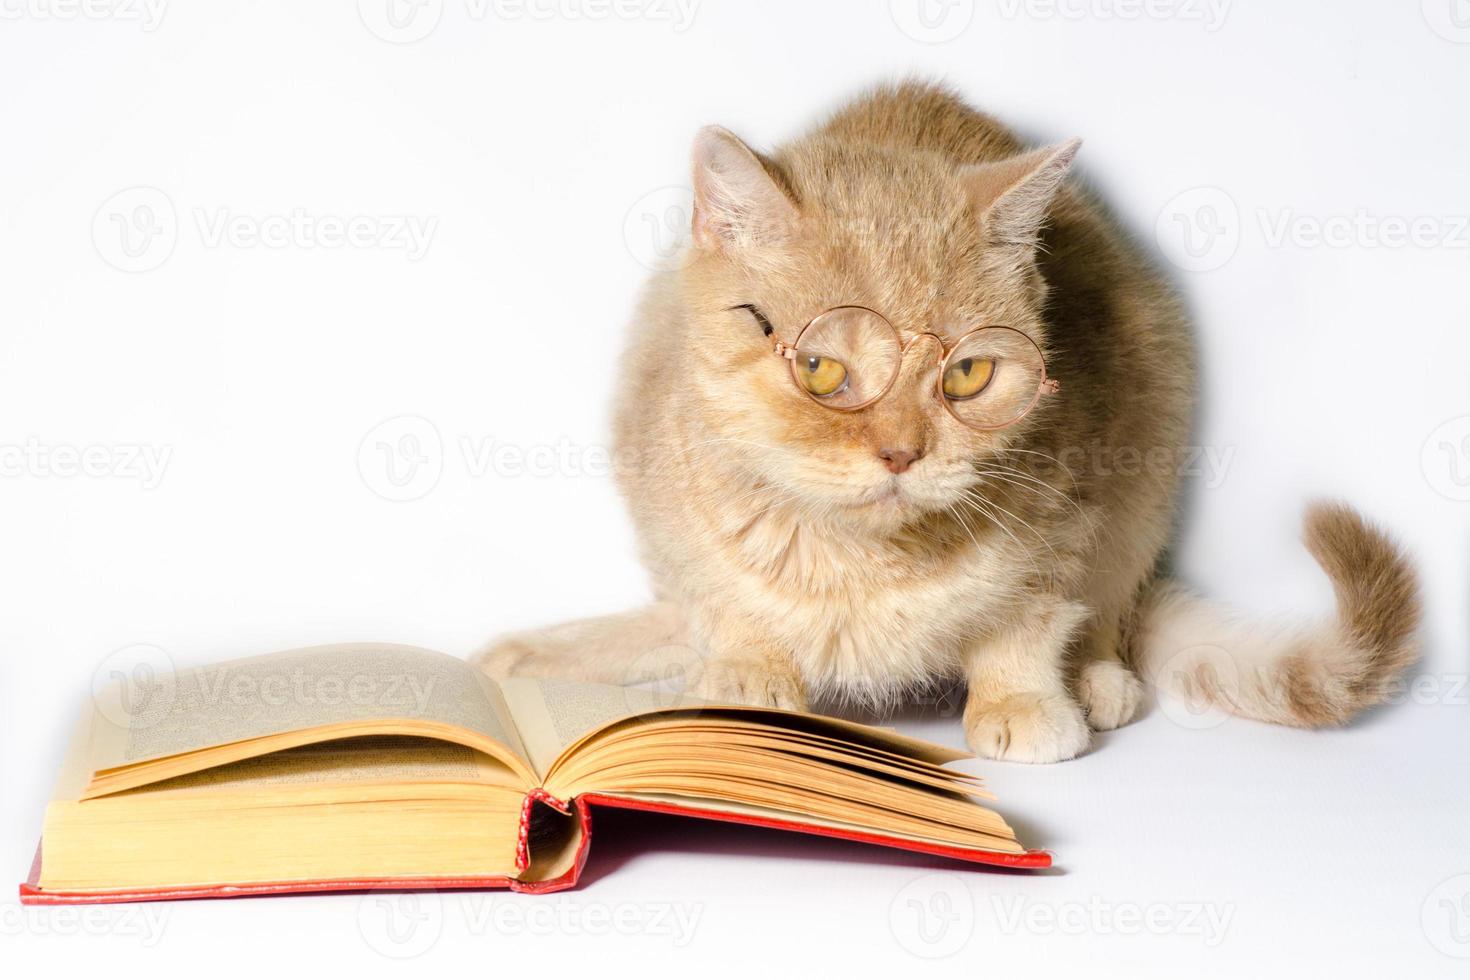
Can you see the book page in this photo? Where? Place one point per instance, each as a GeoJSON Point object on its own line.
{"type": "Point", "coordinates": [393, 759]}
{"type": "Point", "coordinates": [552, 714]}
{"type": "Point", "coordinates": [245, 699]}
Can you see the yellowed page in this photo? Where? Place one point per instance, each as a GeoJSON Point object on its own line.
{"type": "Point", "coordinates": [554, 716]}
{"type": "Point", "coordinates": [255, 697]}
{"type": "Point", "coordinates": [396, 759]}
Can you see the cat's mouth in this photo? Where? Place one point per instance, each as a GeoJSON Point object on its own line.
{"type": "Point", "coordinates": [889, 493]}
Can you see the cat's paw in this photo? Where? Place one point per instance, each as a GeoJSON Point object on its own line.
{"type": "Point", "coordinates": [1110, 694]}
{"type": "Point", "coordinates": [502, 657]}
{"type": "Point", "coordinates": [1027, 728]}
{"type": "Point", "coordinates": [748, 680]}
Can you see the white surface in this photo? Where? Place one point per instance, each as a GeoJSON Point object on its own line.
{"type": "Point", "coordinates": [536, 151]}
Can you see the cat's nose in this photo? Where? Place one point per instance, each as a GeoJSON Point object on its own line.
{"type": "Point", "coordinates": [898, 460]}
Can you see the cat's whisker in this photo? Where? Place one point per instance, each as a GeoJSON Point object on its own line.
{"type": "Point", "coordinates": [1046, 456]}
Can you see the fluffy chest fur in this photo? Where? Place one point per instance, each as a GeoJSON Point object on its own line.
{"type": "Point", "coordinates": [863, 616]}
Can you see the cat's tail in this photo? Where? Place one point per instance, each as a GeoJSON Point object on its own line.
{"type": "Point", "coordinates": [1306, 677]}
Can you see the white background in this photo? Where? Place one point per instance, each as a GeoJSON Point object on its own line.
{"type": "Point", "coordinates": [538, 147]}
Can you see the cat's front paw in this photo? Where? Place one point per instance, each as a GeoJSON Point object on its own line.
{"type": "Point", "coordinates": [503, 657]}
{"type": "Point", "coordinates": [1027, 728]}
{"type": "Point", "coordinates": [754, 681]}
{"type": "Point", "coordinates": [1110, 694]}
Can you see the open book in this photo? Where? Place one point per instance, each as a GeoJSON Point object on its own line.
{"type": "Point", "coordinates": [378, 766]}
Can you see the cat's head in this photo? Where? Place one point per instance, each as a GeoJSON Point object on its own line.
{"type": "Point", "coordinates": [935, 248]}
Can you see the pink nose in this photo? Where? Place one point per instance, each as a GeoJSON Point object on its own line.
{"type": "Point", "coordinates": [898, 460]}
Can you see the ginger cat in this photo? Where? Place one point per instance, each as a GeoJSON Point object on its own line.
{"type": "Point", "coordinates": [859, 554]}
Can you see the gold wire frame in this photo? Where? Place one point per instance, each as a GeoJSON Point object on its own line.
{"type": "Point", "coordinates": [790, 352]}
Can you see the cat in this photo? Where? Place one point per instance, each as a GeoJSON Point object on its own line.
{"type": "Point", "coordinates": [806, 553]}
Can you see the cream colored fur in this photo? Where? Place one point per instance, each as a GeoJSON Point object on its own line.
{"type": "Point", "coordinates": [794, 565]}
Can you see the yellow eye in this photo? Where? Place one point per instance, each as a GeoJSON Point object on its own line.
{"type": "Point", "coordinates": [967, 377]}
{"type": "Point", "coordinates": [821, 375]}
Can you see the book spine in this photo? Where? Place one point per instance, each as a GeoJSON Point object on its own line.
{"type": "Point", "coordinates": [523, 836]}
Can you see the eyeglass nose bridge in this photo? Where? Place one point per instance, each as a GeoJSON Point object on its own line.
{"type": "Point", "coordinates": [943, 351]}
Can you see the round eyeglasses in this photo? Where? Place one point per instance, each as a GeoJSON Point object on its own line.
{"type": "Point", "coordinates": [848, 357]}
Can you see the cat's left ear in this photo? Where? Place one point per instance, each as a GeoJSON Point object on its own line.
{"type": "Point", "coordinates": [737, 202]}
{"type": "Point", "coordinates": [1011, 197]}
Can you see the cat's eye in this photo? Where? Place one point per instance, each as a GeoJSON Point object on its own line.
{"type": "Point", "coordinates": [967, 377]}
{"type": "Point", "coordinates": [822, 376]}
{"type": "Point", "coordinates": [848, 357]}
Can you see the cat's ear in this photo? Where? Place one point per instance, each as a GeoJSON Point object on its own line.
{"type": "Point", "coordinates": [737, 203]}
{"type": "Point", "coordinates": [1011, 197]}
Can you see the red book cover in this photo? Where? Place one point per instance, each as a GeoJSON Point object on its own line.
{"type": "Point", "coordinates": [32, 894]}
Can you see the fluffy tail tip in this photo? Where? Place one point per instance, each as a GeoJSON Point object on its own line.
{"type": "Point", "coordinates": [1378, 614]}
